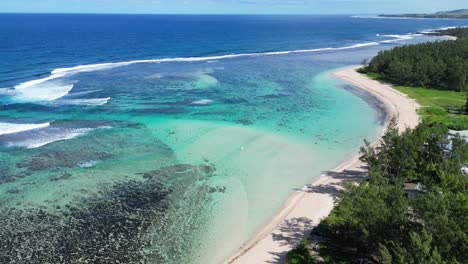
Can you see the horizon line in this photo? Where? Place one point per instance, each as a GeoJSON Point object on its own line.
{"type": "Point", "coordinates": [191, 14]}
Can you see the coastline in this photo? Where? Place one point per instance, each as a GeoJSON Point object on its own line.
{"type": "Point", "coordinates": [305, 208]}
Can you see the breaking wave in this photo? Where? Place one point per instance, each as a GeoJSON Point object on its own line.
{"type": "Point", "coordinates": [12, 128]}
{"type": "Point", "coordinates": [89, 102]}
{"type": "Point", "coordinates": [46, 90]}
{"type": "Point", "coordinates": [432, 31]}
{"type": "Point", "coordinates": [397, 38]}
{"type": "Point", "coordinates": [42, 92]}
{"type": "Point", "coordinates": [202, 102]}
{"type": "Point", "coordinates": [43, 136]}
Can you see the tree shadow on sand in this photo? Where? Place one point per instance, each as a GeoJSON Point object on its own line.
{"type": "Point", "coordinates": [333, 189]}
{"type": "Point", "coordinates": [349, 175]}
{"type": "Point", "coordinates": [346, 176]}
{"type": "Point", "coordinates": [292, 231]}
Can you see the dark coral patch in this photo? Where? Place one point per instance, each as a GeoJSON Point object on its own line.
{"type": "Point", "coordinates": [111, 226]}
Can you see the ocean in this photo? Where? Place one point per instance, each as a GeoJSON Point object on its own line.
{"type": "Point", "coordinates": [173, 138]}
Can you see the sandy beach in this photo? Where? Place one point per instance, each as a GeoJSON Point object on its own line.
{"type": "Point", "coordinates": [307, 207]}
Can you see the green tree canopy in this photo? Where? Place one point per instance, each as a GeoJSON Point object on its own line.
{"type": "Point", "coordinates": [378, 222]}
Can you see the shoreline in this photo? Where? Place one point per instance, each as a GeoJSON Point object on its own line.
{"type": "Point", "coordinates": [305, 208]}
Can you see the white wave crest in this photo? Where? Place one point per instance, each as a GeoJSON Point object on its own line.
{"type": "Point", "coordinates": [11, 128]}
{"type": "Point", "coordinates": [90, 102]}
{"type": "Point", "coordinates": [365, 16]}
{"type": "Point", "coordinates": [77, 94]}
{"type": "Point", "coordinates": [87, 164]}
{"type": "Point", "coordinates": [203, 102]}
{"type": "Point", "coordinates": [48, 136]}
{"type": "Point", "coordinates": [385, 17]}
{"type": "Point", "coordinates": [397, 38]}
{"type": "Point", "coordinates": [62, 72]}
{"type": "Point", "coordinates": [432, 31]}
{"type": "Point", "coordinates": [28, 84]}
{"type": "Point", "coordinates": [42, 91]}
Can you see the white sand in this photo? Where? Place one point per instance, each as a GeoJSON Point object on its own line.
{"type": "Point", "coordinates": [305, 209]}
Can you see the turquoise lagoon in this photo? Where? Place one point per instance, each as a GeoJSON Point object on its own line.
{"type": "Point", "coordinates": [172, 160]}
{"type": "Point", "coordinates": [264, 126]}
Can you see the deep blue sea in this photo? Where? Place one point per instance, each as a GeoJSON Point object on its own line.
{"type": "Point", "coordinates": [173, 138]}
{"type": "Point", "coordinates": [35, 44]}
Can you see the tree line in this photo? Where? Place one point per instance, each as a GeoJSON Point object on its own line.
{"type": "Point", "coordinates": [458, 32]}
{"type": "Point", "coordinates": [379, 221]}
{"type": "Point", "coordinates": [441, 65]}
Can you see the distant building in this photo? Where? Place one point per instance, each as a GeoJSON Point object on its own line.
{"type": "Point", "coordinates": [413, 189]}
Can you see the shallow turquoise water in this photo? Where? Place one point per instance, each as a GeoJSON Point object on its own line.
{"type": "Point", "coordinates": [266, 125]}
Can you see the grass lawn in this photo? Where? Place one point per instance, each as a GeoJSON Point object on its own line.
{"type": "Point", "coordinates": [435, 104]}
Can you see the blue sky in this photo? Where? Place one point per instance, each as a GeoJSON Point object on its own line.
{"type": "Point", "coordinates": [231, 6]}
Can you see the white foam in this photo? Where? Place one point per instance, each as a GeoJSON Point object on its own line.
{"type": "Point", "coordinates": [26, 87]}
{"type": "Point", "coordinates": [87, 164]}
{"type": "Point", "coordinates": [203, 102]}
{"type": "Point", "coordinates": [387, 17]}
{"type": "Point", "coordinates": [397, 38]}
{"type": "Point", "coordinates": [431, 31]}
{"type": "Point", "coordinates": [28, 84]}
{"type": "Point", "coordinates": [46, 139]}
{"type": "Point", "coordinates": [365, 16]}
{"type": "Point", "coordinates": [8, 92]}
{"type": "Point", "coordinates": [71, 95]}
{"type": "Point", "coordinates": [43, 92]}
{"type": "Point", "coordinates": [11, 128]}
{"type": "Point", "coordinates": [62, 72]}
{"type": "Point", "coordinates": [451, 27]}
{"type": "Point", "coordinates": [90, 102]}
{"type": "Point", "coordinates": [43, 138]}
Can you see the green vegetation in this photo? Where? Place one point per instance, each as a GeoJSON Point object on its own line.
{"type": "Point", "coordinates": [456, 32]}
{"type": "Point", "coordinates": [435, 74]}
{"type": "Point", "coordinates": [380, 222]}
{"type": "Point", "coordinates": [442, 65]}
{"type": "Point", "coordinates": [413, 208]}
{"type": "Point", "coordinates": [444, 107]}
{"type": "Point", "coordinates": [460, 13]}
{"type": "Point", "coordinates": [438, 106]}
{"type": "Point", "coordinates": [301, 254]}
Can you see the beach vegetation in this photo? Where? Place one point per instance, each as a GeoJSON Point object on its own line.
{"type": "Point", "coordinates": [380, 222]}
{"type": "Point", "coordinates": [456, 32]}
{"type": "Point", "coordinates": [449, 108]}
{"type": "Point", "coordinates": [466, 106]}
{"type": "Point", "coordinates": [435, 74]}
{"type": "Point", "coordinates": [301, 254]}
{"type": "Point", "coordinates": [442, 65]}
